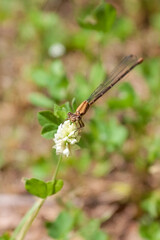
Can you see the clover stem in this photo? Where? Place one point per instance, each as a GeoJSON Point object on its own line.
{"type": "Point", "coordinates": [26, 222]}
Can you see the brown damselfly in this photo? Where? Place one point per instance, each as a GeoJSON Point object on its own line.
{"type": "Point", "coordinates": [119, 72]}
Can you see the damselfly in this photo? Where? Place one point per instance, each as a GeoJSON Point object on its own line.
{"type": "Point", "coordinates": [120, 71]}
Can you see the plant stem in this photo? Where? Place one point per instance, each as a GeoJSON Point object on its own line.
{"type": "Point", "coordinates": [57, 169]}
{"type": "Point", "coordinates": [26, 222]}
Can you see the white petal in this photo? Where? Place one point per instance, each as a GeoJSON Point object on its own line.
{"type": "Point", "coordinates": [66, 152]}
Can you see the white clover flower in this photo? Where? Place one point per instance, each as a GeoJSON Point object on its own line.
{"type": "Point", "coordinates": [56, 50]}
{"type": "Point", "coordinates": [66, 138]}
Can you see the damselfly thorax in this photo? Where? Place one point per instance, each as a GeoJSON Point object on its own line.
{"type": "Point", "coordinates": [119, 72]}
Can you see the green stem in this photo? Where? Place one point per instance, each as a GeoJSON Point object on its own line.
{"type": "Point", "coordinates": [28, 219]}
{"type": "Point", "coordinates": [57, 169]}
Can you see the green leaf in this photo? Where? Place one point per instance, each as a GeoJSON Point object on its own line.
{"type": "Point", "coordinates": [36, 187]}
{"type": "Point", "coordinates": [98, 235]}
{"type": "Point", "coordinates": [61, 226]}
{"type": "Point", "coordinates": [57, 69]}
{"type": "Point", "coordinates": [80, 40]}
{"type": "Point", "coordinates": [117, 134]}
{"type": "Point", "coordinates": [123, 28]}
{"type": "Point", "coordinates": [151, 204]}
{"type": "Point", "coordinates": [47, 117]}
{"type": "Point", "coordinates": [5, 236]}
{"type": "Point", "coordinates": [41, 77]}
{"type": "Point", "coordinates": [100, 19]}
{"type": "Point", "coordinates": [151, 71]}
{"type": "Point", "coordinates": [150, 230]}
{"type": "Point", "coordinates": [109, 133]}
{"type": "Point", "coordinates": [92, 232]}
{"type": "Point", "coordinates": [57, 87]}
{"type": "Point", "coordinates": [49, 130]}
{"type": "Point", "coordinates": [54, 187]}
{"type": "Point", "coordinates": [60, 111]}
{"type": "Point", "coordinates": [40, 100]}
{"type": "Point", "coordinates": [43, 20]}
{"type": "Point", "coordinates": [153, 149]}
{"type": "Point", "coordinates": [54, 79]}
{"type": "Point", "coordinates": [7, 10]}
{"type": "Point", "coordinates": [43, 189]}
{"type": "Point", "coordinates": [127, 98]}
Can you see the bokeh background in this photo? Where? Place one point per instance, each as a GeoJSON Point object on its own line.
{"type": "Point", "coordinates": [54, 53]}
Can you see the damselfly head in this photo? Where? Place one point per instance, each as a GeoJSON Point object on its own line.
{"type": "Point", "coordinates": [69, 114]}
{"type": "Point", "coordinates": [72, 117]}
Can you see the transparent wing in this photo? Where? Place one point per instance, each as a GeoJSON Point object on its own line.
{"type": "Point", "coordinates": [119, 71]}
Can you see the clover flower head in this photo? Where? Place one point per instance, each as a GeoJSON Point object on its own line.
{"type": "Point", "coordinates": [66, 138]}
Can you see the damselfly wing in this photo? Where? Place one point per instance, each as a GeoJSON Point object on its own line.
{"type": "Point", "coordinates": [119, 72]}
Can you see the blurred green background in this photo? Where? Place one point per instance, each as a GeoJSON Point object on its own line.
{"type": "Point", "coordinates": [53, 54]}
